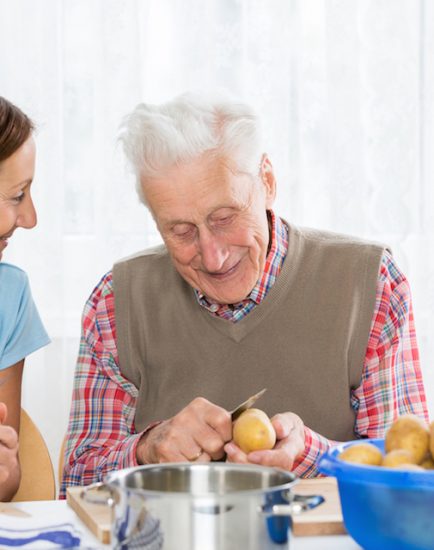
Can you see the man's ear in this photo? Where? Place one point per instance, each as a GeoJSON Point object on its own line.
{"type": "Point", "coordinates": [268, 179]}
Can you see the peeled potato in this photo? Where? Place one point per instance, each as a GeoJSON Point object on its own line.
{"type": "Point", "coordinates": [362, 453]}
{"type": "Point", "coordinates": [397, 458]}
{"type": "Point", "coordinates": [253, 431]}
{"type": "Point", "coordinates": [411, 433]}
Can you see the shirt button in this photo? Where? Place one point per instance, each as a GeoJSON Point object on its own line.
{"type": "Point", "coordinates": [213, 307]}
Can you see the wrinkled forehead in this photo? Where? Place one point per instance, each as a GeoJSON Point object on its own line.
{"type": "Point", "coordinates": [196, 188]}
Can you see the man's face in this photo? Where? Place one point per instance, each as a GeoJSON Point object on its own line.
{"type": "Point", "coordinates": [214, 224]}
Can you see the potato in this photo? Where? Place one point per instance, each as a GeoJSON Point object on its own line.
{"type": "Point", "coordinates": [253, 431]}
{"type": "Point", "coordinates": [409, 445]}
{"type": "Point", "coordinates": [362, 453]}
{"type": "Point", "coordinates": [411, 433]}
{"type": "Point", "coordinates": [397, 457]}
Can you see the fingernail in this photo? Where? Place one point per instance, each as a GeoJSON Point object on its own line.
{"type": "Point", "coordinates": [230, 448]}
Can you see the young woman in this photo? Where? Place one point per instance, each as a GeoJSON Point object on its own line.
{"type": "Point", "coordinates": [21, 330]}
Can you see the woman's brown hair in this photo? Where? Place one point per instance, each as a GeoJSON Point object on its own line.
{"type": "Point", "coordinates": [15, 128]}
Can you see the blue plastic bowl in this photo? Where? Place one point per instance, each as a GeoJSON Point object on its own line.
{"type": "Point", "coordinates": [383, 508]}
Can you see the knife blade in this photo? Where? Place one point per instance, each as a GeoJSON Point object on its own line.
{"type": "Point", "coordinates": [246, 404]}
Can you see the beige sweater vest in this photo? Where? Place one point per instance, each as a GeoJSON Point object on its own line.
{"type": "Point", "coordinates": [305, 342]}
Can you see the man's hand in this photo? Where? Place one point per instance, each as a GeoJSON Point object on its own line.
{"type": "Point", "coordinates": [197, 433]}
{"type": "Point", "coordinates": [290, 444]}
{"type": "Point", "coordinates": [9, 465]}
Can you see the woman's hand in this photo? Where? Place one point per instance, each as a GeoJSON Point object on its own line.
{"type": "Point", "coordinates": [9, 465]}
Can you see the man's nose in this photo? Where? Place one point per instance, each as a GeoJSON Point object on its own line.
{"type": "Point", "coordinates": [26, 214]}
{"type": "Point", "coordinates": [212, 250]}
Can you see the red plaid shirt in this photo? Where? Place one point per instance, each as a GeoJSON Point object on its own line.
{"type": "Point", "coordinates": [101, 434]}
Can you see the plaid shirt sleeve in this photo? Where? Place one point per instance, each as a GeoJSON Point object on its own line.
{"type": "Point", "coordinates": [101, 433]}
{"type": "Point", "coordinates": [391, 382]}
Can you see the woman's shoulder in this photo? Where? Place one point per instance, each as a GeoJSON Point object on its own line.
{"type": "Point", "coordinates": [21, 330]}
{"type": "Point", "coordinates": [12, 278]}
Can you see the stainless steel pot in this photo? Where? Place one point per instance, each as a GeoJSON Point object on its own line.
{"type": "Point", "coordinates": [215, 506]}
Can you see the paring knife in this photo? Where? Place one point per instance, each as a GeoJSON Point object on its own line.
{"type": "Point", "coordinates": [246, 404]}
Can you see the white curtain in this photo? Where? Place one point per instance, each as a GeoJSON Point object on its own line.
{"type": "Point", "coordinates": [346, 92]}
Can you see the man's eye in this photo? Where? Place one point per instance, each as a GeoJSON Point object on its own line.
{"type": "Point", "coordinates": [224, 220]}
{"type": "Point", "coordinates": [182, 230]}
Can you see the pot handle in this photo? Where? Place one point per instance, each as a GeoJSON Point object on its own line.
{"type": "Point", "coordinates": [106, 499]}
{"type": "Point", "coordinates": [297, 505]}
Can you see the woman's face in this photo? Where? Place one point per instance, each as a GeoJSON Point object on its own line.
{"type": "Point", "coordinates": [16, 206]}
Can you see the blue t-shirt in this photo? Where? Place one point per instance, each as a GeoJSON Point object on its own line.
{"type": "Point", "coordinates": [21, 329]}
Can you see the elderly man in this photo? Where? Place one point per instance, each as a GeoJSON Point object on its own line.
{"type": "Point", "coordinates": [235, 300]}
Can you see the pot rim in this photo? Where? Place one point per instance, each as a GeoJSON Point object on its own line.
{"type": "Point", "coordinates": [114, 478]}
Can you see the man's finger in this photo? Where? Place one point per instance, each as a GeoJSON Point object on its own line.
{"type": "Point", "coordinates": [204, 457]}
{"type": "Point", "coordinates": [276, 458]}
{"type": "Point", "coordinates": [235, 454]}
{"type": "Point", "coordinates": [282, 426]}
{"type": "Point", "coordinates": [219, 420]}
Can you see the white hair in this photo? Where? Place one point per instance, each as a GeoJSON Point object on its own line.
{"type": "Point", "coordinates": [157, 137]}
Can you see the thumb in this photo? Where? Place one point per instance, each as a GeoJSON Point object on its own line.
{"type": "Point", "coordinates": [3, 413]}
{"type": "Point", "coordinates": [280, 427]}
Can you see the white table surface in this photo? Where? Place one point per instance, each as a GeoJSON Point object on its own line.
{"type": "Point", "coordinates": [57, 511]}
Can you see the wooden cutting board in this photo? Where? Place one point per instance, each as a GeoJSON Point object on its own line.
{"type": "Point", "coordinates": [326, 519]}
{"type": "Point", "coordinates": [96, 517]}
